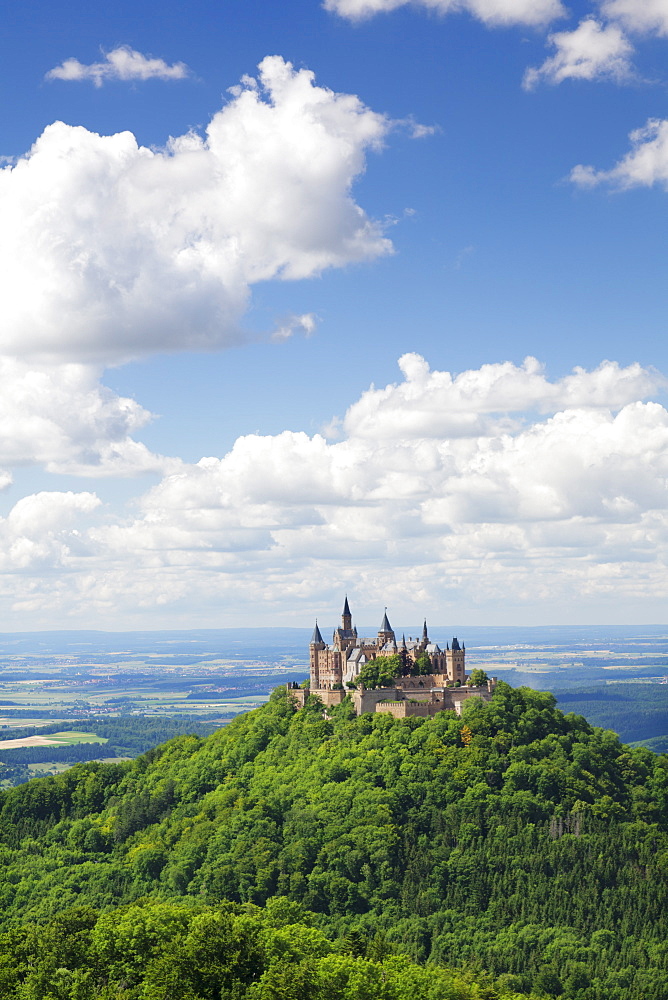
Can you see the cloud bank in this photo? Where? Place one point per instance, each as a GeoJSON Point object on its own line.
{"type": "Point", "coordinates": [122, 63]}
{"type": "Point", "coordinates": [110, 250]}
{"type": "Point", "coordinates": [495, 487]}
{"type": "Point", "coordinates": [491, 12]}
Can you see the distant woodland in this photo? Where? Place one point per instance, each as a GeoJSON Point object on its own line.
{"type": "Point", "coordinates": [513, 851]}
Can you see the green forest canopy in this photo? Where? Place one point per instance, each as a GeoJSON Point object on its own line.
{"type": "Point", "coordinates": [537, 851]}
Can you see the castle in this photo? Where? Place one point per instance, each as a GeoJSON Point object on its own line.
{"type": "Point", "coordinates": [428, 679]}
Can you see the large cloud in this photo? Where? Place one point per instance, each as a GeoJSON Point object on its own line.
{"type": "Point", "coordinates": [110, 250]}
{"type": "Point", "coordinates": [497, 485]}
{"type": "Point", "coordinates": [63, 418]}
{"type": "Point", "coordinates": [40, 534]}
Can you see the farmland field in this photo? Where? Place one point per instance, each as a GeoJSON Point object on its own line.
{"type": "Point", "coordinates": [53, 740]}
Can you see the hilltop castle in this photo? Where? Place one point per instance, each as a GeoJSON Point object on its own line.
{"type": "Point", "coordinates": [428, 679]}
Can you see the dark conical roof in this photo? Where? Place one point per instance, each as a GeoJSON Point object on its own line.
{"type": "Point", "coordinates": [386, 627]}
{"type": "Point", "coordinates": [424, 630]}
{"type": "Point", "coordinates": [346, 608]}
{"type": "Point", "coordinates": [316, 637]}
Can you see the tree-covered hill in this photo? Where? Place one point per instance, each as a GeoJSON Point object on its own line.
{"type": "Point", "coordinates": [516, 840]}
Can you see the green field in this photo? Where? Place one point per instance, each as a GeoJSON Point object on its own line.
{"type": "Point", "coordinates": [70, 736]}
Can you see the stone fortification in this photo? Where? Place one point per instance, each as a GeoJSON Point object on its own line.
{"type": "Point", "coordinates": [429, 679]}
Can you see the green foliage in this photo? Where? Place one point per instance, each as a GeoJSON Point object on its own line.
{"type": "Point", "coordinates": [478, 677]}
{"type": "Point", "coordinates": [539, 851]}
{"type": "Point", "coordinates": [381, 672]}
{"type": "Point", "coordinates": [422, 665]}
{"type": "Point", "coordinates": [157, 950]}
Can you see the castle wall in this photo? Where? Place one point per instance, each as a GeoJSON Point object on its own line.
{"type": "Point", "coordinates": [403, 700]}
{"type": "Point", "coordinates": [329, 698]}
{"type": "Point", "coordinates": [298, 694]}
{"type": "Point", "coordinates": [405, 709]}
{"type": "Point", "coordinates": [366, 701]}
{"type": "Point", "coordinates": [421, 683]}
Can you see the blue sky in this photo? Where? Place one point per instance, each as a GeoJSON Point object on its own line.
{"type": "Point", "coordinates": [247, 217]}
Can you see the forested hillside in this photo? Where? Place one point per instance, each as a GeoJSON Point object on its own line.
{"type": "Point", "coordinates": [515, 840]}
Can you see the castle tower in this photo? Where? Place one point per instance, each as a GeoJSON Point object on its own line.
{"type": "Point", "coordinates": [425, 635]}
{"type": "Point", "coordinates": [386, 632]}
{"type": "Point", "coordinates": [316, 645]}
{"type": "Point", "coordinates": [455, 658]}
{"type": "Point", "coordinates": [346, 617]}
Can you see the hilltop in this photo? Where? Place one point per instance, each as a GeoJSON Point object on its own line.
{"type": "Point", "coordinates": [516, 838]}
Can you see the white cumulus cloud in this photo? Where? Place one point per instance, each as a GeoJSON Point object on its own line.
{"type": "Point", "coordinates": [492, 485]}
{"type": "Point", "coordinates": [62, 418]}
{"type": "Point", "coordinates": [111, 250]}
{"type": "Point", "coordinates": [40, 532]}
{"type": "Point", "coordinates": [436, 404]}
{"type": "Point", "coordinates": [644, 165]}
{"type": "Point", "coordinates": [122, 63]}
{"type": "Point", "coordinates": [642, 16]}
{"type": "Point", "coordinates": [491, 12]}
{"type": "Point", "coordinates": [592, 51]}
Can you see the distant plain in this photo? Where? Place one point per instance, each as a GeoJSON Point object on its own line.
{"type": "Point", "coordinates": [616, 676]}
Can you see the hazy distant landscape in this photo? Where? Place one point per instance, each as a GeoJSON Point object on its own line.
{"type": "Point", "coordinates": [617, 677]}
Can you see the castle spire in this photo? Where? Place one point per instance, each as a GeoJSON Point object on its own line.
{"type": "Point", "coordinates": [346, 617]}
{"type": "Point", "coordinates": [386, 627]}
{"type": "Point", "coordinates": [425, 636]}
{"type": "Point", "coordinates": [316, 637]}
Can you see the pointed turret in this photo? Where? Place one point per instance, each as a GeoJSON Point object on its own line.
{"type": "Point", "coordinates": [425, 636]}
{"type": "Point", "coordinates": [316, 637]}
{"type": "Point", "coordinates": [346, 617]}
{"type": "Point", "coordinates": [386, 633]}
